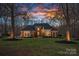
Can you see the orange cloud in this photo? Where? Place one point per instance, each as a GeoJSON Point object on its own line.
{"type": "Point", "coordinates": [40, 10]}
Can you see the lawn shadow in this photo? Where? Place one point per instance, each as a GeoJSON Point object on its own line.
{"type": "Point", "coordinates": [10, 39]}
{"type": "Point", "coordinates": [66, 42]}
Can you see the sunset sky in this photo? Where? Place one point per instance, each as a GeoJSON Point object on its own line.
{"type": "Point", "coordinates": [41, 12]}
{"type": "Point", "coordinates": [36, 8]}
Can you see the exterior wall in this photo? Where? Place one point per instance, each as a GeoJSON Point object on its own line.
{"type": "Point", "coordinates": [40, 33]}
{"type": "Point", "coordinates": [33, 34]}
{"type": "Point", "coordinates": [47, 33]}
{"type": "Point", "coordinates": [54, 33]}
{"type": "Point", "coordinates": [25, 34]}
{"type": "Point", "coordinates": [10, 34]}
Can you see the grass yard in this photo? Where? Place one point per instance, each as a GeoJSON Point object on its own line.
{"type": "Point", "coordinates": [37, 47]}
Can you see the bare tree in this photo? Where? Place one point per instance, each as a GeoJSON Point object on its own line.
{"type": "Point", "coordinates": [11, 8]}
{"type": "Point", "coordinates": [4, 12]}
{"type": "Point", "coordinates": [65, 8]}
{"type": "Point", "coordinates": [71, 12]}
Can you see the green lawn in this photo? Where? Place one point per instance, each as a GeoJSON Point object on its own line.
{"type": "Point", "coordinates": [37, 47]}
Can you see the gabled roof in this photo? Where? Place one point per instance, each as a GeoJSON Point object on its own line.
{"type": "Point", "coordinates": [32, 27]}
{"type": "Point", "coordinates": [53, 28]}
{"type": "Point", "coordinates": [45, 25]}
{"type": "Point", "coordinates": [28, 28]}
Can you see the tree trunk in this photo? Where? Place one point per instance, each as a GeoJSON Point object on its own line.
{"type": "Point", "coordinates": [12, 21]}
{"type": "Point", "coordinates": [68, 23]}
{"type": "Point", "coordinates": [5, 26]}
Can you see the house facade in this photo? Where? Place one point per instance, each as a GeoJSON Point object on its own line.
{"type": "Point", "coordinates": [39, 30]}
